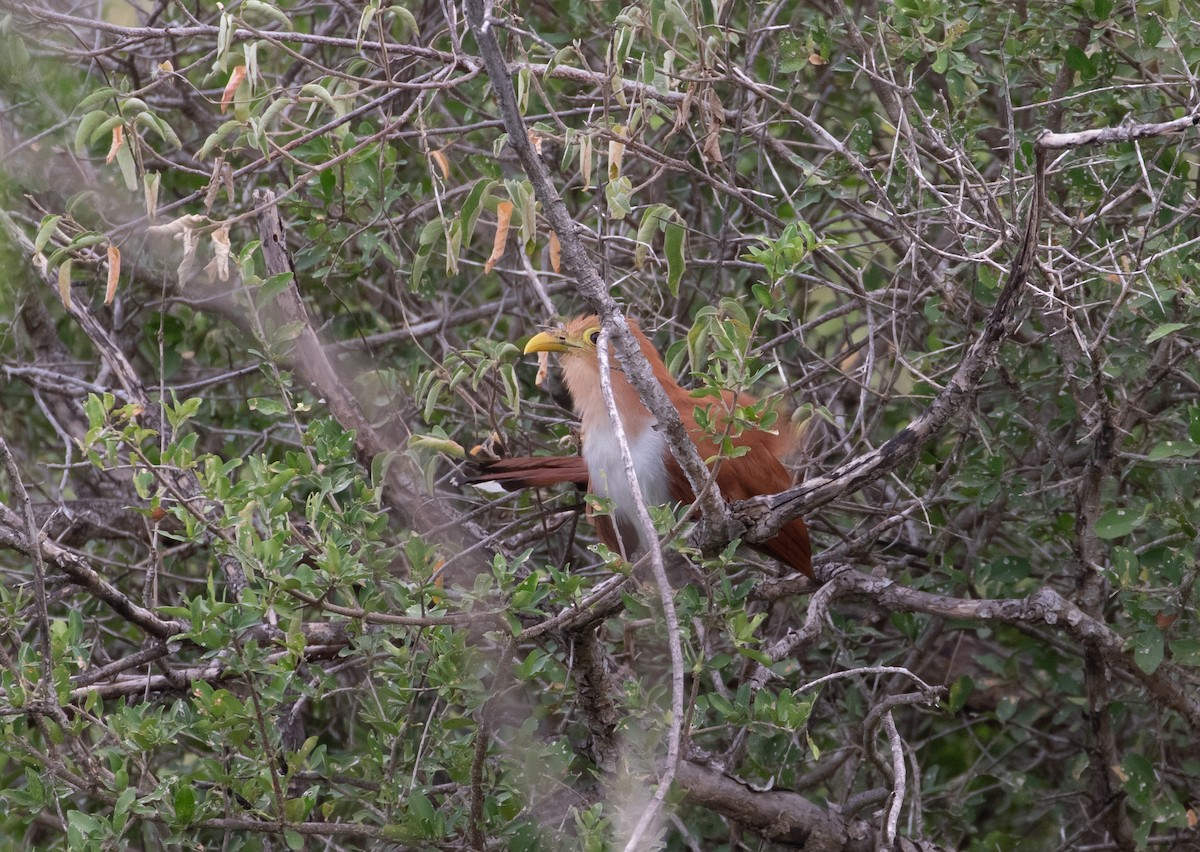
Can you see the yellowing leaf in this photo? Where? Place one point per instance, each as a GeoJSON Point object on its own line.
{"type": "Point", "coordinates": [585, 160]}
{"type": "Point", "coordinates": [616, 152]}
{"type": "Point", "coordinates": [235, 80]}
{"type": "Point", "coordinates": [114, 274]}
{"type": "Point", "coordinates": [150, 182]}
{"type": "Point", "coordinates": [439, 445]}
{"type": "Point", "coordinates": [503, 217]}
{"type": "Point", "coordinates": [118, 139]}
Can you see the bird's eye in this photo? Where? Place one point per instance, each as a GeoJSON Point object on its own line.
{"type": "Point", "coordinates": [594, 336]}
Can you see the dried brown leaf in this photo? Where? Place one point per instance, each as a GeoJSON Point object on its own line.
{"type": "Point", "coordinates": [64, 283]}
{"type": "Point", "coordinates": [191, 240]}
{"type": "Point", "coordinates": [714, 119]}
{"type": "Point", "coordinates": [176, 226]}
{"type": "Point", "coordinates": [555, 253]}
{"type": "Point", "coordinates": [218, 267]}
{"type": "Point", "coordinates": [118, 139]}
{"type": "Point", "coordinates": [442, 161]}
{"type": "Point", "coordinates": [235, 80]}
{"type": "Point", "coordinates": [503, 217]}
{"type": "Point", "coordinates": [616, 152]}
{"type": "Point", "coordinates": [114, 274]}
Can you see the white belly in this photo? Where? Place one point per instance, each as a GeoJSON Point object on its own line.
{"type": "Point", "coordinates": [607, 471]}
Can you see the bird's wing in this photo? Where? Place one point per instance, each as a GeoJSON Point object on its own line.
{"type": "Point", "coordinates": [757, 472]}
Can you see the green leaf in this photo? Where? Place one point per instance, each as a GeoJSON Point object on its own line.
{"type": "Point", "coordinates": [87, 126]}
{"type": "Point", "coordinates": [121, 808]}
{"type": "Point", "coordinates": [1186, 652]}
{"type": "Point", "coordinates": [1148, 649]}
{"type": "Point", "coordinates": [756, 655]}
{"type": "Point", "coordinates": [960, 691]}
{"type": "Point", "coordinates": [440, 445]}
{"type": "Point", "coordinates": [1173, 449]}
{"type": "Point", "coordinates": [1006, 708]}
{"type": "Point", "coordinates": [94, 99]}
{"type": "Point", "coordinates": [272, 287]}
{"type": "Point", "coordinates": [267, 10]}
{"type": "Point", "coordinates": [1165, 329]}
{"type": "Point", "coordinates": [316, 90]}
{"type": "Point", "coordinates": [722, 705]}
{"type": "Point", "coordinates": [473, 206]}
{"type": "Point", "coordinates": [267, 406]}
{"type": "Point", "coordinates": [104, 131]}
{"type": "Point", "coordinates": [674, 247]}
{"type": "Point", "coordinates": [185, 803]}
{"type": "Point", "coordinates": [420, 807]}
{"type": "Point", "coordinates": [407, 19]}
{"type": "Point", "coordinates": [45, 230]}
{"type": "Point", "coordinates": [1079, 61]}
{"type": "Point", "coordinates": [128, 168]}
{"type": "Point", "coordinates": [218, 137]}
{"type": "Point", "coordinates": [1115, 523]}
{"type": "Point", "coordinates": [618, 194]}
{"type": "Point", "coordinates": [645, 232]}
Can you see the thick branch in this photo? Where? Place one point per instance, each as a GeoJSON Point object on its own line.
{"type": "Point", "coordinates": [778, 815]}
{"type": "Point", "coordinates": [1168, 684]}
{"type": "Point", "coordinates": [1122, 133]}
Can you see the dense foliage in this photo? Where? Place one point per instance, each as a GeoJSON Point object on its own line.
{"type": "Point", "coordinates": [269, 265]}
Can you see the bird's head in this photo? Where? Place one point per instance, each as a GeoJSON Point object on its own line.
{"type": "Point", "coordinates": [577, 337]}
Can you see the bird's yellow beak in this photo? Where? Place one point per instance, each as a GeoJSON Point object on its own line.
{"type": "Point", "coordinates": [548, 341]}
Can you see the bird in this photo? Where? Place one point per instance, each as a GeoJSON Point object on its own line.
{"type": "Point", "coordinates": [758, 470]}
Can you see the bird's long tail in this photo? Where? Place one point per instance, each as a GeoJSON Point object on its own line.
{"type": "Point", "coordinates": [792, 547]}
{"type": "Point", "coordinates": [519, 472]}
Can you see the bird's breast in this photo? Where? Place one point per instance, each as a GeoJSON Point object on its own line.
{"type": "Point", "coordinates": [607, 469]}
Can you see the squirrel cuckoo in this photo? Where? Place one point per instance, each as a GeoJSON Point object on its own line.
{"type": "Point", "coordinates": [601, 470]}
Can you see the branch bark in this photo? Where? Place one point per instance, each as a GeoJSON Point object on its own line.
{"type": "Point", "coordinates": [1168, 684]}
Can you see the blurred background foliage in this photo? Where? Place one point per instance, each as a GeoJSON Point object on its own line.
{"type": "Point", "coordinates": [817, 200]}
